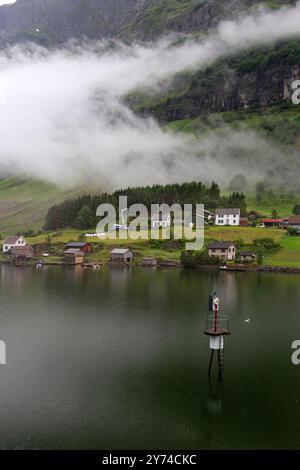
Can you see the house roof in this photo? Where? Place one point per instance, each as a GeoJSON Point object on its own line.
{"type": "Point", "coordinates": [119, 251]}
{"type": "Point", "coordinates": [11, 240]}
{"type": "Point", "coordinates": [77, 244]}
{"type": "Point", "coordinates": [295, 220]}
{"type": "Point", "coordinates": [228, 211]}
{"type": "Point", "coordinates": [73, 251]}
{"type": "Point", "coordinates": [247, 253]}
{"type": "Point", "coordinates": [220, 245]}
{"type": "Point", "coordinates": [272, 221]}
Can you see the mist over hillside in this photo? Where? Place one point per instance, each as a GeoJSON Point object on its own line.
{"type": "Point", "coordinates": [66, 118]}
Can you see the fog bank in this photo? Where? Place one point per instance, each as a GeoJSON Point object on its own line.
{"type": "Point", "coordinates": [63, 118]}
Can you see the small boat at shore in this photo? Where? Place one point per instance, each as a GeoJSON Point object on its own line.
{"type": "Point", "coordinates": [92, 265]}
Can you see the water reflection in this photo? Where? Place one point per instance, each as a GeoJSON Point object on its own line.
{"type": "Point", "coordinates": [117, 358]}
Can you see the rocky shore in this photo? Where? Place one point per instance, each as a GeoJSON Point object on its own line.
{"type": "Point", "coordinates": [279, 269]}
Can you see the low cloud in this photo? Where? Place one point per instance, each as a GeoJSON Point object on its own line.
{"type": "Point", "coordinates": [63, 118]}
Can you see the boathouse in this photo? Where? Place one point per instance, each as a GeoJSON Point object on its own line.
{"type": "Point", "coordinates": [121, 255]}
{"type": "Point", "coordinates": [248, 256]}
{"type": "Point", "coordinates": [149, 261]}
{"type": "Point", "coordinates": [73, 256]}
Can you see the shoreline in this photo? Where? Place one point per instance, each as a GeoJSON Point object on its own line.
{"type": "Point", "coordinates": [264, 269]}
{"type": "Point", "coordinates": [175, 264]}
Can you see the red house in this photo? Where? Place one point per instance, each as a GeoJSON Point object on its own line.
{"type": "Point", "coordinates": [272, 222]}
{"type": "Point", "coordinates": [243, 221]}
{"type": "Point", "coordinates": [83, 246]}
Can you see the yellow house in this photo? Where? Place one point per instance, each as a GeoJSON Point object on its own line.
{"type": "Point", "coordinates": [222, 250]}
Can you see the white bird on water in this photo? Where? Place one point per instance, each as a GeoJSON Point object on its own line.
{"type": "Point", "coordinates": [247, 320]}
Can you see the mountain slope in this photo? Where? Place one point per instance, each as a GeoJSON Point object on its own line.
{"type": "Point", "coordinates": [245, 91]}
{"type": "Point", "coordinates": [54, 21]}
{"type": "Point", "coordinates": [253, 79]}
{"type": "Point", "coordinates": [158, 17]}
{"type": "Point", "coordinates": [24, 203]}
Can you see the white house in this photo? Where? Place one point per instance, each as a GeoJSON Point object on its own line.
{"type": "Point", "coordinates": [161, 219]}
{"type": "Point", "coordinates": [10, 242]}
{"type": "Point", "coordinates": [228, 217]}
{"type": "Point", "coordinates": [294, 222]}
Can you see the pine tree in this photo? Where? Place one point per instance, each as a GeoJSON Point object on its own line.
{"type": "Point", "coordinates": [84, 219]}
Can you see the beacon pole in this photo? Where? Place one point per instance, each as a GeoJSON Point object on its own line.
{"type": "Point", "coordinates": [216, 304]}
{"type": "Point", "coordinates": [216, 328]}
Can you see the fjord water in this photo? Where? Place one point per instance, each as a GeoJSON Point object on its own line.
{"type": "Point", "coordinates": [118, 359]}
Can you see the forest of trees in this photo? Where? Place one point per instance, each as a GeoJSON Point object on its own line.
{"type": "Point", "coordinates": [80, 212]}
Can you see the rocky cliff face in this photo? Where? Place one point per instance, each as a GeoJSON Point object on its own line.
{"type": "Point", "coordinates": [55, 21]}
{"type": "Point", "coordinates": [256, 78]}
{"type": "Point", "coordinates": [157, 17]}
{"type": "Point", "coordinates": [233, 92]}
{"type": "Point", "coordinates": [60, 20]}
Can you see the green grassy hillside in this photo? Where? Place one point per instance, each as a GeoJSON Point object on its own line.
{"type": "Point", "coordinates": [24, 203]}
{"type": "Point", "coordinates": [287, 255]}
{"type": "Point", "coordinates": [280, 123]}
{"type": "Point", "coordinates": [157, 17]}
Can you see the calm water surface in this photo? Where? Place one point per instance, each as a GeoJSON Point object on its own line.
{"type": "Point", "coordinates": [118, 359]}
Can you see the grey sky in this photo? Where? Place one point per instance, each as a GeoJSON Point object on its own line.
{"type": "Point", "coordinates": [4, 2]}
